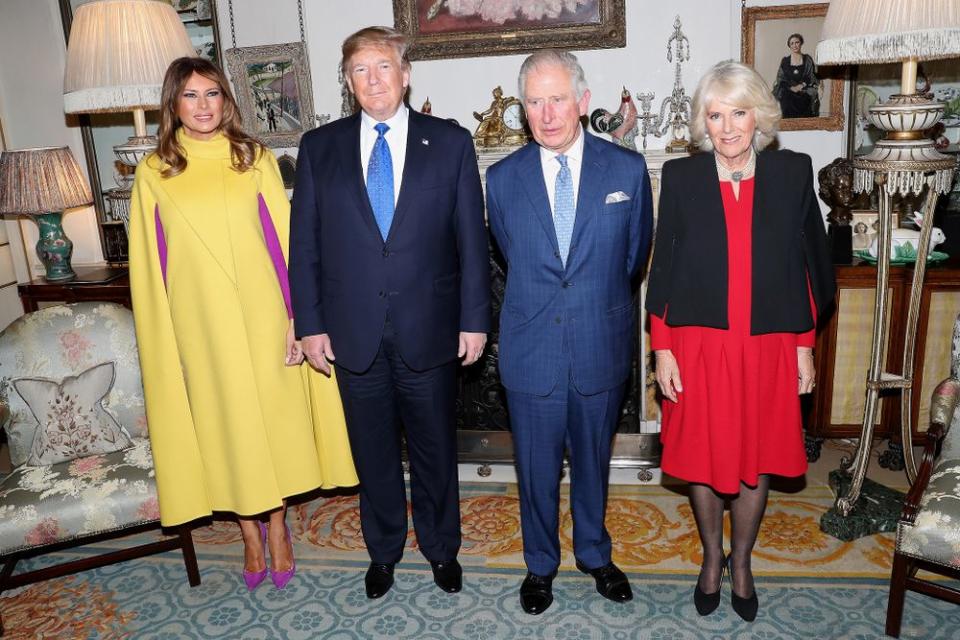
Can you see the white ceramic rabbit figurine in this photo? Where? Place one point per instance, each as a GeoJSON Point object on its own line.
{"type": "Point", "coordinates": [904, 242]}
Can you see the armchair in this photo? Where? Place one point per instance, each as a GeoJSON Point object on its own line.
{"type": "Point", "coordinates": [71, 402]}
{"type": "Point", "coordinates": [928, 532]}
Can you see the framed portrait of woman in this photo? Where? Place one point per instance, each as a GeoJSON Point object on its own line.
{"type": "Point", "coordinates": [779, 42]}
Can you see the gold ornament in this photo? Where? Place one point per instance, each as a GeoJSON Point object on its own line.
{"type": "Point", "coordinates": [502, 124]}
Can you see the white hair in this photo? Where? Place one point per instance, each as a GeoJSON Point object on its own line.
{"type": "Point", "coordinates": [553, 58]}
{"type": "Point", "coordinates": [741, 86]}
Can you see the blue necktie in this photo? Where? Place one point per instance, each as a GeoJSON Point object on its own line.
{"type": "Point", "coordinates": [380, 181]}
{"type": "Point", "coordinates": [564, 211]}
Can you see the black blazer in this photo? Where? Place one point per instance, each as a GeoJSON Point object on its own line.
{"type": "Point", "coordinates": [432, 272]}
{"type": "Point", "coordinates": [688, 276]}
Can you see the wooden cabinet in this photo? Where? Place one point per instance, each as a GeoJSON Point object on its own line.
{"type": "Point", "coordinates": [843, 348]}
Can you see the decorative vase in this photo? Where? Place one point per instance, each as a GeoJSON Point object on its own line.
{"type": "Point", "coordinates": [54, 248]}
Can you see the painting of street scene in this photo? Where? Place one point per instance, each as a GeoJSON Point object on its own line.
{"type": "Point", "coordinates": [272, 84]}
{"type": "Point", "coordinates": [276, 97]}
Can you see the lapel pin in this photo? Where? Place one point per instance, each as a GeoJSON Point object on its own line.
{"type": "Point", "coordinates": [424, 141]}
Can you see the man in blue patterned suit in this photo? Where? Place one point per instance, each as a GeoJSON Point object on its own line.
{"type": "Point", "coordinates": [572, 216]}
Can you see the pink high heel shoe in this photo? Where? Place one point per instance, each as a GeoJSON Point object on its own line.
{"type": "Point", "coordinates": [281, 578]}
{"type": "Point", "coordinates": [254, 578]}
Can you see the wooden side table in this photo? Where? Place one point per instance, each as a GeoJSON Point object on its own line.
{"type": "Point", "coordinates": [107, 284]}
{"type": "Point", "coordinates": [843, 352]}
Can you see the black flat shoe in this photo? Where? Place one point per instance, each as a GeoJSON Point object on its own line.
{"type": "Point", "coordinates": [747, 607]}
{"type": "Point", "coordinates": [536, 593]}
{"type": "Point", "coordinates": [612, 583]}
{"type": "Point", "coordinates": [448, 575]}
{"type": "Point", "coordinates": [378, 580]}
{"type": "Point", "coordinates": [707, 603]}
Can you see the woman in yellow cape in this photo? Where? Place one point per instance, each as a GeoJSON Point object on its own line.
{"type": "Point", "coordinates": [236, 423]}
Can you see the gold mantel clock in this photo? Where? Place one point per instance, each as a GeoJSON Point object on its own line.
{"type": "Point", "coordinates": [502, 124]}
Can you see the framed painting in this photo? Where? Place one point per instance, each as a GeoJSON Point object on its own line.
{"type": "Point", "coordinates": [465, 28]}
{"type": "Point", "coordinates": [773, 41]}
{"type": "Point", "coordinates": [272, 85]}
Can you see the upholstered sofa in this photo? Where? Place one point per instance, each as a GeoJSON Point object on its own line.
{"type": "Point", "coordinates": [928, 533]}
{"type": "Point", "coordinates": [72, 405]}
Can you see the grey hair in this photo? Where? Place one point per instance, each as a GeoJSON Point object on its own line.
{"type": "Point", "coordinates": [553, 58]}
{"type": "Point", "coordinates": [737, 84]}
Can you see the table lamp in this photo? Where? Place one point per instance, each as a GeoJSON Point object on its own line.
{"type": "Point", "coordinates": [42, 183]}
{"type": "Point", "coordinates": [904, 162]}
{"type": "Point", "coordinates": [118, 53]}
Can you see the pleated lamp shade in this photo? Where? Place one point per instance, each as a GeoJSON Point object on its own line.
{"type": "Point", "coordinates": [877, 31]}
{"type": "Point", "coordinates": [42, 180]}
{"type": "Point", "coordinates": [118, 53]}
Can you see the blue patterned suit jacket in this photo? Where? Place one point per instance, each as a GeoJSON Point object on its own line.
{"type": "Point", "coordinates": [588, 305]}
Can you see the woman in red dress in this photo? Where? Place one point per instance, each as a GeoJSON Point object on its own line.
{"type": "Point", "coordinates": [740, 273]}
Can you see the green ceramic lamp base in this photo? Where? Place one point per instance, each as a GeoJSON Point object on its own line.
{"type": "Point", "coordinates": [54, 248]}
{"type": "Point", "coordinates": [876, 511]}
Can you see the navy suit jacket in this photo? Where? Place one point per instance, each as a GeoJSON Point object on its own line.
{"type": "Point", "coordinates": [590, 302]}
{"type": "Point", "coordinates": [432, 272]}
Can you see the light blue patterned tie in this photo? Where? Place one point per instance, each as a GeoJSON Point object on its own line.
{"type": "Point", "coordinates": [380, 181]}
{"type": "Point", "coordinates": [564, 211]}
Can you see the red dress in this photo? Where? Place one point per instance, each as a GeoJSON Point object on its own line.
{"type": "Point", "coordinates": [739, 413]}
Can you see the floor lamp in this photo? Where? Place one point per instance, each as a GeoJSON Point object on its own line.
{"type": "Point", "coordinates": [905, 162]}
{"type": "Point", "coordinates": [118, 53]}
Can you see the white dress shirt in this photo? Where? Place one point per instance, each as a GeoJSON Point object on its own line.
{"type": "Point", "coordinates": [396, 139]}
{"type": "Point", "coordinates": [551, 168]}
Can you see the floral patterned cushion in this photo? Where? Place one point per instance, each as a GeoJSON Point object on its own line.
{"type": "Point", "coordinates": [935, 534]}
{"type": "Point", "coordinates": [66, 340]}
{"type": "Point", "coordinates": [71, 420]}
{"type": "Point", "coordinates": [86, 496]}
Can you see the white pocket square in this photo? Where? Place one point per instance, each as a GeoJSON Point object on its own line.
{"type": "Point", "coordinates": [616, 196]}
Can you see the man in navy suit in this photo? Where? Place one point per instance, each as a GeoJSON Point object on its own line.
{"type": "Point", "coordinates": [572, 216]}
{"type": "Point", "coordinates": [389, 278]}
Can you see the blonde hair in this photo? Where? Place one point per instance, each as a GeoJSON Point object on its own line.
{"type": "Point", "coordinates": [244, 150]}
{"type": "Point", "coordinates": [741, 86]}
{"type": "Point", "coordinates": [378, 38]}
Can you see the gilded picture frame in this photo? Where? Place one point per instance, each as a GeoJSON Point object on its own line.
{"type": "Point", "coordinates": [274, 92]}
{"type": "Point", "coordinates": [764, 35]}
{"type": "Point", "coordinates": [440, 29]}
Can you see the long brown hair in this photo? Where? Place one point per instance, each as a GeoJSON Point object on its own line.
{"type": "Point", "coordinates": [244, 150]}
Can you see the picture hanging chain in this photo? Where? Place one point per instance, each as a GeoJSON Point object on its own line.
{"type": "Point", "coordinates": [233, 27]}
{"type": "Point", "coordinates": [303, 36]}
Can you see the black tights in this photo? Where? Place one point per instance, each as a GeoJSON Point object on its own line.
{"type": "Point", "coordinates": [746, 511]}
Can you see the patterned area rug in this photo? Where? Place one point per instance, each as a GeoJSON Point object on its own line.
{"type": "Point", "coordinates": [810, 585]}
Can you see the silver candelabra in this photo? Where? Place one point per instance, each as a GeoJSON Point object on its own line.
{"type": "Point", "coordinates": [678, 104]}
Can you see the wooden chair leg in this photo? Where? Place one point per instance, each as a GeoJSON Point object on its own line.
{"type": "Point", "coordinates": [5, 574]}
{"type": "Point", "coordinates": [189, 555]}
{"type": "Point", "coordinates": [898, 583]}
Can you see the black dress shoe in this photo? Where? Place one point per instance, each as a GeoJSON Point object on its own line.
{"type": "Point", "coordinates": [707, 603]}
{"type": "Point", "coordinates": [612, 584]}
{"type": "Point", "coordinates": [536, 593]}
{"type": "Point", "coordinates": [448, 575]}
{"type": "Point", "coordinates": [747, 607]}
{"type": "Point", "coordinates": [378, 580]}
